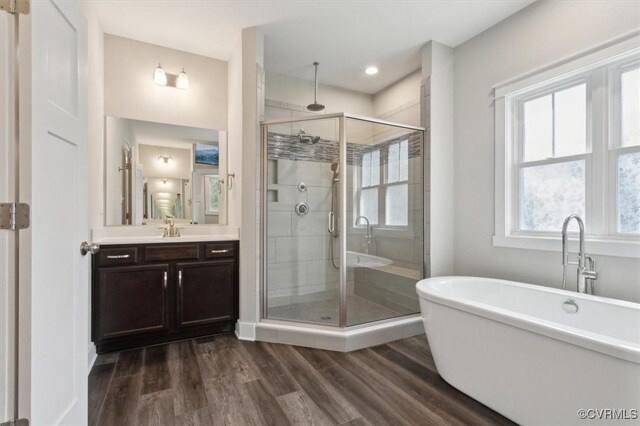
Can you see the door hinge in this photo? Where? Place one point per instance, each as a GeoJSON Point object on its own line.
{"type": "Point", "coordinates": [16, 422]}
{"type": "Point", "coordinates": [16, 7]}
{"type": "Point", "coordinates": [14, 216]}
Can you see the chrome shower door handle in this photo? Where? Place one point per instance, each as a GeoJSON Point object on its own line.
{"type": "Point", "coordinates": [331, 226]}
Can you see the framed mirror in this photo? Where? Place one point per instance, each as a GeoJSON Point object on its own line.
{"type": "Point", "coordinates": [156, 172]}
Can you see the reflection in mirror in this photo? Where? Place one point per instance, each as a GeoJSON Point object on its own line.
{"type": "Point", "coordinates": [156, 172]}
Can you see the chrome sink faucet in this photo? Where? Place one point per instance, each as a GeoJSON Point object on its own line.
{"type": "Point", "coordinates": [586, 274]}
{"type": "Point", "coordinates": [368, 239]}
{"type": "Point", "coordinates": [169, 229]}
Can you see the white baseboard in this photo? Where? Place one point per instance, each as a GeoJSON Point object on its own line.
{"type": "Point", "coordinates": [246, 331]}
{"type": "Point", "coordinates": [93, 355]}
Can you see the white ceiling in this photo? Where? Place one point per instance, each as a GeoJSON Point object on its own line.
{"type": "Point", "coordinates": [344, 36]}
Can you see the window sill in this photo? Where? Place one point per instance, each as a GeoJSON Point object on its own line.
{"type": "Point", "coordinates": [595, 246]}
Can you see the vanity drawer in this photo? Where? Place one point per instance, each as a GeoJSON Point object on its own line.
{"type": "Point", "coordinates": [172, 252]}
{"type": "Point", "coordinates": [118, 256]}
{"type": "Point", "coordinates": [213, 251]}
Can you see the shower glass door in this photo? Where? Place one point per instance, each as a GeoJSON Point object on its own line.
{"type": "Point", "coordinates": [301, 221]}
{"type": "Point", "coordinates": [385, 222]}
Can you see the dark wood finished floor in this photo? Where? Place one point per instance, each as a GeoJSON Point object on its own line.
{"type": "Point", "coordinates": [220, 380]}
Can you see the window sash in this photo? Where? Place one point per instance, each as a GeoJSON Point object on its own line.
{"type": "Point", "coordinates": [382, 193]}
{"type": "Point", "coordinates": [591, 80]}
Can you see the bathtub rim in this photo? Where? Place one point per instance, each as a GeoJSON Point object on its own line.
{"type": "Point", "coordinates": [614, 347]}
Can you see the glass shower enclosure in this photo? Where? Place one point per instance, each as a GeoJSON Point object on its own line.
{"type": "Point", "coordinates": [342, 219]}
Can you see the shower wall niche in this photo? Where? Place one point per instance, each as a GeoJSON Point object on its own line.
{"type": "Point", "coordinates": [322, 266]}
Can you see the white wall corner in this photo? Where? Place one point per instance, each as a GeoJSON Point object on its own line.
{"type": "Point", "coordinates": [437, 118]}
{"type": "Point", "coordinates": [252, 60]}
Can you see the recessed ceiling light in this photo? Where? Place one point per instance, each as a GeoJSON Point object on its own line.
{"type": "Point", "coordinates": [371, 70]}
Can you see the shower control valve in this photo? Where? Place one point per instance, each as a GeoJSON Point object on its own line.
{"type": "Point", "coordinates": [302, 208]}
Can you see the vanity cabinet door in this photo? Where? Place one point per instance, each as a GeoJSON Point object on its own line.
{"type": "Point", "coordinates": [132, 300]}
{"type": "Point", "coordinates": [206, 292]}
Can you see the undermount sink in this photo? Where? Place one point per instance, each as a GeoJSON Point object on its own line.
{"type": "Point", "coordinates": [363, 260]}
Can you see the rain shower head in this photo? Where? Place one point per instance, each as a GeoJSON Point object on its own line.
{"type": "Point", "coordinates": [305, 138]}
{"type": "Point", "coordinates": [315, 106]}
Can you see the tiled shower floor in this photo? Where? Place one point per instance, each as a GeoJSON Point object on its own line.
{"type": "Point", "coordinates": [359, 311]}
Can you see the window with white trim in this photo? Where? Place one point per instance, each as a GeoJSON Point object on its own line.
{"type": "Point", "coordinates": [571, 146]}
{"type": "Point", "coordinates": [384, 185]}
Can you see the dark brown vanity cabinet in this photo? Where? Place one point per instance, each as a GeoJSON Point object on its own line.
{"type": "Point", "coordinates": [154, 293]}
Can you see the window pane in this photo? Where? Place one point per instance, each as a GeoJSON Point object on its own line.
{"type": "Point", "coordinates": [631, 107]}
{"type": "Point", "coordinates": [550, 193]}
{"type": "Point", "coordinates": [369, 205]}
{"type": "Point", "coordinates": [375, 167]}
{"type": "Point", "coordinates": [394, 163]}
{"type": "Point", "coordinates": [366, 169]}
{"type": "Point", "coordinates": [538, 129]}
{"type": "Point", "coordinates": [397, 205]}
{"type": "Point", "coordinates": [570, 108]}
{"type": "Point", "coordinates": [404, 160]}
{"type": "Point", "coordinates": [629, 193]}
{"type": "Point", "coordinates": [371, 168]}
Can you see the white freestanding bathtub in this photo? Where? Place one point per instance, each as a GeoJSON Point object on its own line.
{"type": "Point", "coordinates": [524, 352]}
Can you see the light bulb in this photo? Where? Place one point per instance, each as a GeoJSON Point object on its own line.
{"type": "Point", "coordinates": [182, 82]}
{"type": "Point", "coordinates": [371, 70]}
{"type": "Point", "coordinates": [159, 76]}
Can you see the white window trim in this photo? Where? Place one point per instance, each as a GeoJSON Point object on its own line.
{"type": "Point", "coordinates": [504, 234]}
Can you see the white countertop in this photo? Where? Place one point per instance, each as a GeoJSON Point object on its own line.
{"type": "Point", "coordinates": [151, 235]}
{"type": "Point", "coordinates": [159, 240]}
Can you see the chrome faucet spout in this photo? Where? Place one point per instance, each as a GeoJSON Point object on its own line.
{"type": "Point", "coordinates": [586, 273]}
{"type": "Point", "coordinates": [369, 233]}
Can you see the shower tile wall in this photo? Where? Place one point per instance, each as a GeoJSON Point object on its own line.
{"type": "Point", "coordinates": [299, 265]}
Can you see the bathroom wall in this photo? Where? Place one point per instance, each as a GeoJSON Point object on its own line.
{"type": "Point", "coordinates": [400, 102]}
{"type": "Point", "coordinates": [535, 37]}
{"type": "Point", "coordinates": [131, 93]}
{"type": "Point", "coordinates": [235, 135]}
{"type": "Point", "coordinates": [437, 112]}
{"type": "Point", "coordinates": [287, 97]}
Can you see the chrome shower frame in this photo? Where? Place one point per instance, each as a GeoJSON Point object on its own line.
{"type": "Point", "coordinates": [342, 201]}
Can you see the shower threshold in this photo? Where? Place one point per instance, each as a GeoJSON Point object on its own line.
{"type": "Point", "coordinates": [359, 311]}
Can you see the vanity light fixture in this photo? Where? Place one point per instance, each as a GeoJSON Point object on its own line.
{"type": "Point", "coordinates": [182, 82]}
{"type": "Point", "coordinates": [166, 159]}
{"type": "Point", "coordinates": [371, 70]}
{"type": "Point", "coordinates": [159, 76]}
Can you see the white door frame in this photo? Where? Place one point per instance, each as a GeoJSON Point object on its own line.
{"type": "Point", "coordinates": [8, 239]}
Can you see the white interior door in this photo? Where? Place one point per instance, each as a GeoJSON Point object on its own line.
{"type": "Point", "coordinates": [54, 277]}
